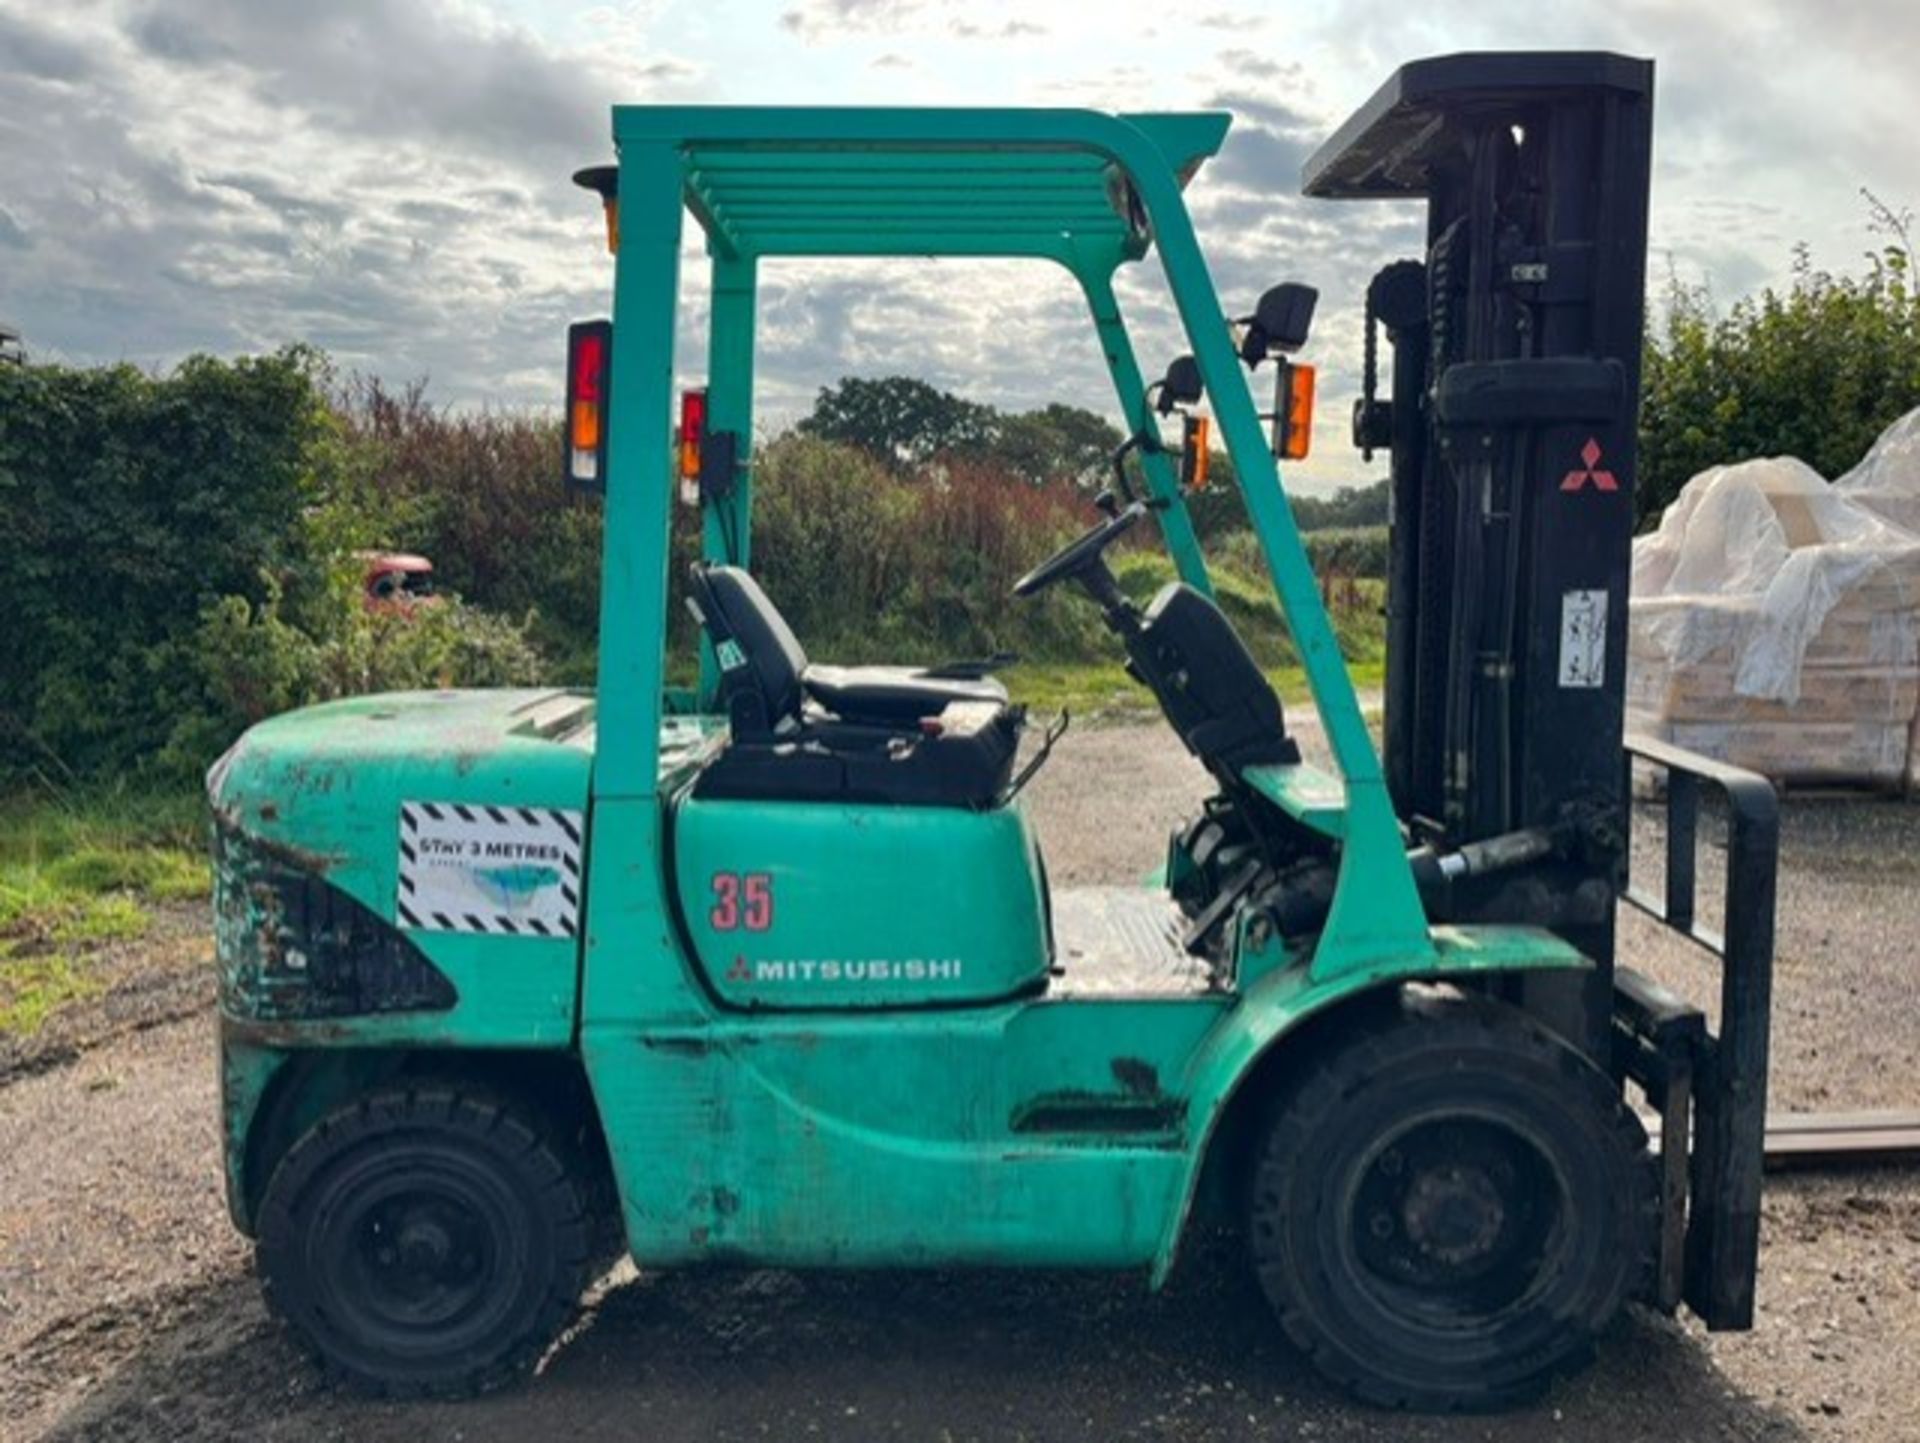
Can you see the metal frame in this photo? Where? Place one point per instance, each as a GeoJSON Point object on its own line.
{"type": "Point", "coordinates": [1666, 1048]}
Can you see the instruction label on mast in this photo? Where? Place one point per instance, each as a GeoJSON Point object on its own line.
{"type": "Point", "coordinates": [1583, 640]}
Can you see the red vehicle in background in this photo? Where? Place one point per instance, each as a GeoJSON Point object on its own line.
{"type": "Point", "coordinates": [397, 581]}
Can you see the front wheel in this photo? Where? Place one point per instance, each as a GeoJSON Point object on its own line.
{"type": "Point", "coordinates": [426, 1240]}
{"type": "Point", "coordinates": [1447, 1209]}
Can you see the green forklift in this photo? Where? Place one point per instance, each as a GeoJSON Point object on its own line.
{"type": "Point", "coordinates": [769, 973]}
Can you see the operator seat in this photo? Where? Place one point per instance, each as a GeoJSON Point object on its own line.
{"type": "Point", "coordinates": [734, 604]}
{"type": "Point", "coordinates": [898, 737]}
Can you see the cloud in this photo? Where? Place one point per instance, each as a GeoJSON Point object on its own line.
{"type": "Point", "coordinates": [171, 37]}
{"type": "Point", "coordinates": [388, 177]}
{"type": "Point", "coordinates": [814, 20]}
{"type": "Point", "coordinates": [1006, 30]}
{"type": "Point", "coordinates": [32, 52]}
{"type": "Point", "coordinates": [385, 180]}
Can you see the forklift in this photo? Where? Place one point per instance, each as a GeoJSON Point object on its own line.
{"type": "Point", "coordinates": [769, 972]}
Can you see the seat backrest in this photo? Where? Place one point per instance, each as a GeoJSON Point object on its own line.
{"type": "Point", "coordinates": [771, 660]}
{"type": "Point", "coordinates": [1208, 683]}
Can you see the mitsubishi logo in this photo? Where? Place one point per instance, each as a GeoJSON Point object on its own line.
{"type": "Point", "coordinates": [739, 972]}
{"type": "Point", "coordinates": [1590, 459]}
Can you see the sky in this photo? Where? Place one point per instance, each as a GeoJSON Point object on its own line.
{"type": "Point", "coordinates": [388, 179]}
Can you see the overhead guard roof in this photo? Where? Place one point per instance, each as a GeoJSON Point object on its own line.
{"type": "Point", "coordinates": [871, 182]}
{"type": "Point", "coordinates": [1395, 144]}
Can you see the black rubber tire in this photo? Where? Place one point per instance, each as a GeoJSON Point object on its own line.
{"type": "Point", "coordinates": [1564, 1212]}
{"type": "Point", "coordinates": [482, 1189]}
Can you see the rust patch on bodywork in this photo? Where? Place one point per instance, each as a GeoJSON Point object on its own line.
{"type": "Point", "coordinates": [678, 1046]}
{"type": "Point", "coordinates": [1140, 1106]}
{"type": "Point", "coordinates": [291, 1032]}
{"type": "Point", "coordinates": [1136, 1078]}
{"type": "Point", "coordinates": [294, 948]}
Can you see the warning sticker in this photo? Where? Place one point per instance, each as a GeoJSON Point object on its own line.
{"type": "Point", "coordinates": [1583, 639]}
{"type": "Point", "coordinates": [514, 871]}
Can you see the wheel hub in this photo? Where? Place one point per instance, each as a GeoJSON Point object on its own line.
{"type": "Point", "coordinates": [425, 1245]}
{"type": "Point", "coordinates": [1453, 1214]}
{"type": "Point", "coordinates": [421, 1256]}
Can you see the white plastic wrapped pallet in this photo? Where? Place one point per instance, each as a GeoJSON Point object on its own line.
{"type": "Point", "coordinates": [1887, 483]}
{"type": "Point", "coordinates": [1775, 622]}
{"type": "Point", "coordinates": [1887, 480]}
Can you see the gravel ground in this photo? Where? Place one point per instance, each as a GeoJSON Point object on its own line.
{"type": "Point", "coordinates": [127, 1310]}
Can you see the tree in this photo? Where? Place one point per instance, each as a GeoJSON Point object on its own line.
{"type": "Point", "coordinates": [900, 420]}
{"type": "Point", "coordinates": [1348, 507]}
{"type": "Point", "coordinates": [1056, 443]}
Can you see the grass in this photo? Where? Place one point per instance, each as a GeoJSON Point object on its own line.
{"type": "Point", "coordinates": [78, 870]}
{"type": "Point", "coordinates": [33, 989]}
{"type": "Point", "coordinates": [1104, 690]}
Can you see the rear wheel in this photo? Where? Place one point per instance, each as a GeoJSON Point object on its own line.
{"type": "Point", "coordinates": [426, 1240]}
{"type": "Point", "coordinates": [1446, 1210]}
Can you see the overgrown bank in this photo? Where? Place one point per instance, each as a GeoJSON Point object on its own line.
{"type": "Point", "coordinates": [184, 558]}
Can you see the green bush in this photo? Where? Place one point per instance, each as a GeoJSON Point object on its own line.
{"type": "Point", "coordinates": [180, 564]}
{"type": "Point", "coordinates": [869, 564]}
{"type": "Point", "coordinates": [253, 662]}
{"type": "Point", "coordinates": [1339, 551]}
{"type": "Point", "coordinates": [182, 554]}
{"type": "Point", "coordinates": [129, 503]}
{"type": "Point", "coordinates": [1815, 371]}
{"type": "Point", "coordinates": [1348, 551]}
{"type": "Point", "coordinates": [479, 494]}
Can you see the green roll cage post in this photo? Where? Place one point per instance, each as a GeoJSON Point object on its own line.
{"type": "Point", "coordinates": [1085, 190]}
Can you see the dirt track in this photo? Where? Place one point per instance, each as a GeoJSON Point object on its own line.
{"type": "Point", "coordinates": [126, 1308]}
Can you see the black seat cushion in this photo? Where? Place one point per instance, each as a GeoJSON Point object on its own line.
{"type": "Point", "coordinates": [1208, 684]}
{"type": "Point", "coordinates": [893, 693]}
{"type": "Point", "coordinates": [764, 670]}
{"type": "Point", "coordinates": [961, 758]}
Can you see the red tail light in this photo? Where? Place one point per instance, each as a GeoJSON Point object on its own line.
{"type": "Point", "coordinates": [589, 352]}
{"type": "Point", "coordinates": [692, 442]}
{"type": "Point", "coordinates": [693, 433]}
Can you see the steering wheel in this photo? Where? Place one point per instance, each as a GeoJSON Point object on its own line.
{"type": "Point", "coordinates": [1080, 553]}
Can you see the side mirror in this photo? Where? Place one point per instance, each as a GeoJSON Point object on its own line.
{"type": "Point", "coordinates": [1279, 323]}
{"type": "Point", "coordinates": [1181, 386]}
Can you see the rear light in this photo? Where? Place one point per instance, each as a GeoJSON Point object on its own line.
{"type": "Point", "coordinates": [589, 354]}
{"type": "Point", "coordinates": [1196, 453]}
{"type": "Point", "coordinates": [1293, 412]}
{"type": "Point", "coordinates": [693, 436]}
